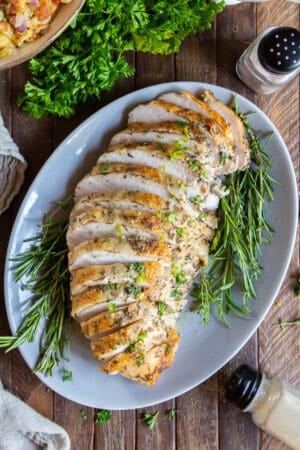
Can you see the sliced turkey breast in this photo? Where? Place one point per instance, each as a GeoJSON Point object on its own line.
{"type": "Point", "coordinates": [171, 159]}
{"type": "Point", "coordinates": [144, 366]}
{"type": "Point", "coordinates": [102, 223]}
{"type": "Point", "coordinates": [99, 297]}
{"type": "Point", "coordinates": [144, 274]}
{"type": "Point", "coordinates": [187, 100]}
{"type": "Point", "coordinates": [96, 299]}
{"type": "Point", "coordinates": [187, 135]}
{"type": "Point", "coordinates": [146, 332]}
{"type": "Point", "coordinates": [192, 123]}
{"type": "Point", "coordinates": [137, 201]}
{"type": "Point", "coordinates": [131, 177]}
{"type": "Point", "coordinates": [162, 111]}
{"type": "Point", "coordinates": [109, 321]}
{"type": "Point", "coordinates": [240, 141]}
{"type": "Point", "coordinates": [118, 250]}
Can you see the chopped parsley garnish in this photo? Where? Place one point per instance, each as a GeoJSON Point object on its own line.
{"type": "Point", "coordinates": [175, 293]}
{"type": "Point", "coordinates": [194, 164]}
{"type": "Point", "coordinates": [67, 375]}
{"type": "Point", "coordinates": [134, 290]}
{"type": "Point", "coordinates": [179, 151]}
{"type": "Point", "coordinates": [109, 287]}
{"type": "Point", "coordinates": [104, 167]}
{"type": "Point", "coordinates": [159, 214]}
{"type": "Point", "coordinates": [150, 419]}
{"type": "Point", "coordinates": [142, 336]}
{"type": "Point", "coordinates": [119, 230]}
{"type": "Point", "coordinates": [197, 199]}
{"type": "Point", "coordinates": [180, 232]}
{"type": "Point", "coordinates": [141, 278]}
{"type": "Point", "coordinates": [161, 306]}
{"type": "Point", "coordinates": [131, 347]}
{"type": "Point", "coordinates": [172, 413]}
{"type": "Point", "coordinates": [140, 360]}
{"type": "Point", "coordinates": [83, 414]}
{"type": "Point", "coordinates": [112, 307]}
{"type": "Point", "coordinates": [137, 267]}
{"type": "Point", "coordinates": [160, 146]}
{"type": "Point", "coordinates": [223, 159]}
{"type": "Point", "coordinates": [102, 416]}
{"type": "Point", "coordinates": [202, 216]}
{"type": "Point", "coordinates": [179, 275]}
{"type": "Point", "coordinates": [171, 217]}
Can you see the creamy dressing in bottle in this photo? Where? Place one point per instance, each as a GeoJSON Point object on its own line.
{"type": "Point", "coordinates": [274, 404]}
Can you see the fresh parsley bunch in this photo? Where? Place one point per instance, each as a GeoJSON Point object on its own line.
{"type": "Point", "coordinates": [88, 57]}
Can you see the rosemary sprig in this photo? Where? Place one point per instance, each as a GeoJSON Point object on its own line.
{"type": "Point", "coordinates": [44, 267]}
{"type": "Point", "coordinates": [243, 229]}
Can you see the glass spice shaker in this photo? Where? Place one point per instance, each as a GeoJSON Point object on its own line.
{"type": "Point", "coordinates": [274, 404]}
{"type": "Point", "coordinates": [271, 61]}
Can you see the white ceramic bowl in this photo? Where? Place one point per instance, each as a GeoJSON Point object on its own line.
{"type": "Point", "coordinates": [65, 14]}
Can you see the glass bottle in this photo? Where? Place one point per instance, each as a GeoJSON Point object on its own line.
{"type": "Point", "coordinates": [273, 403]}
{"type": "Point", "coordinates": [271, 61]}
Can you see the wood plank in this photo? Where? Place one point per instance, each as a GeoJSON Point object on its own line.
{"type": "Point", "coordinates": [236, 429]}
{"type": "Point", "coordinates": [163, 434]}
{"type": "Point", "coordinates": [197, 417]}
{"type": "Point", "coordinates": [153, 69]}
{"type": "Point", "coordinates": [196, 60]}
{"type": "Point", "coordinates": [81, 431]}
{"type": "Point", "coordinates": [118, 433]}
{"type": "Point", "coordinates": [277, 348]}
{"type": "Point", "coordinates": [233, 35]}
{"type": "Point", "coordinates": [34, 140]}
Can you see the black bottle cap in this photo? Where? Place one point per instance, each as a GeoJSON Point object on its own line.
{"type": "Point", "coordinates": [279, 50]}
{"type": "Point", "coordinates": [242, 386]}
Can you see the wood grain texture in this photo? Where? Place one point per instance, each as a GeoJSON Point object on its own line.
{"type": "Point", "coordinates": [205, 421]}
{"type": "Point", "coordinates": [197, 417]}
{"type": "Point", "coordinates": [278, 349]}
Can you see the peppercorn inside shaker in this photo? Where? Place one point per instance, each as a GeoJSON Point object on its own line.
{"type": "Point", "coordinates": [271, 61]}
{"type": "Point", "coordinates": [273, 403]}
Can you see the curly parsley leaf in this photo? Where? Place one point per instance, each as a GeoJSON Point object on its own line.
{"type": "Point", "coordinates": [89, 56]}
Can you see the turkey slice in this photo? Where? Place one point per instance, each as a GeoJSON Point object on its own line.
{"type": "Point", "coordinates": [146, 332]}
{"type": "Point", "coordinates": [238, 132]}
{"type": "Point", "coordinates": [118, 250]}
{"type": "Point", "coordinates": [145, 274]}
{"type": "Point", "coordinates": [144, 366]}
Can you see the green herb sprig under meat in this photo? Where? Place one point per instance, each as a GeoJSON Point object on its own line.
{"type": "Point", "coordinates": [89, 57]}
{"type": "Point", "coordinates": [243, 229]}
{"type": "Point", "coordinates": [44, 267]}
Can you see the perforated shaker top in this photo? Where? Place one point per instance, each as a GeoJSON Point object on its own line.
{"type": "Point", "coordinates": [279, 50]}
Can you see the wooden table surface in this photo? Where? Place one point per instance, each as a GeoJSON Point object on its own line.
{"type": "Point", "coordinates": [204, 420]}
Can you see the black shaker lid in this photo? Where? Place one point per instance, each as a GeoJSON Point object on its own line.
{"type": "Point", "coordinates": [242, 386]}
{"type": "Point", "coordinates": [279, 50]}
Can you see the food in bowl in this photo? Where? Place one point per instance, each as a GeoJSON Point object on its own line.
{"type": "Point", "coordinates": [23, 21]}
